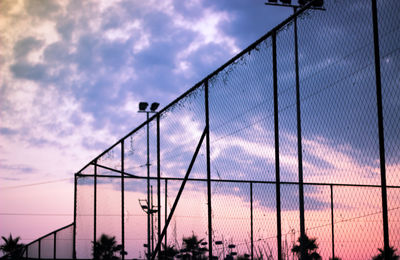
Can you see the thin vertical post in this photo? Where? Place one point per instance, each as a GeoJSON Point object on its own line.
{"type": "Point", "coordinates": [251, 221]}
{"type": "Point", "coordinates": [380, 129]}
{"type": "Point", "coordinates": [149, 253]}
{"type": "Point", "coordinates": [95, 203]}
{"type": "Point", "coordinates": [55, 246]}
{"type": "Point", "coordinates": [166, 210]}
{"type": "Point", "coordinates": [74, 230]}
{"type": "Point", "coordinates": [158, 180]}
{"type": "Point", "coordinates": [276, 132]}
{"type": "Point", "coordinates": [208, 172]}
{"type": "Point", "coordinates": [123, 197]}
{"type": "Point", "coordinates": [332, 224]}
{"type": "Point", "coordinates": [299, 145]}
{"type": "Point", "coordinates": [152, 218]}
{"type": "Point", "coordinates": [39, 248]}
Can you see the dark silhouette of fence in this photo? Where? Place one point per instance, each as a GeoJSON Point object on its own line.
{"type": "Point", "coordinates": [282, 141]}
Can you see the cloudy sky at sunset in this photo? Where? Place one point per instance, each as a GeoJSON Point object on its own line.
{"type": "Point", "coordinates": [73, 72]}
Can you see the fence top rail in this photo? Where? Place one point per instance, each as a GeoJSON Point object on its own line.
{"type": "Point", "coordinates": [277, 28]}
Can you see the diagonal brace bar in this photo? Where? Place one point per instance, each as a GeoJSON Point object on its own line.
{"type": "Point", "coordinates": [179, 193]}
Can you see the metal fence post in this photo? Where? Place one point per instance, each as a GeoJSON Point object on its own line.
{"type": "Point", "coordinates": [299, 145]}
{"type": "Point", "coordinates": [95, 203]}
{"type": "Point", "coordinates": [380, 128]}
{"type": "Point", "coordinates": [251, 222]}
{"type": "Point", "coordinates": [276, 132]}
{"type": "Point", "coordinates": [158, 180]}
{"type": "Point", "coordinates": [332, 224]}
{"type": "Point", "coordinates": [208, 172]}
{"type": "Point", "coordinates": [123, 197]}
{"type": "Point", "coordinates": [55, 246]}
{"type": "Point", "coordinates": [166, 211]}
{"type": "Point", "coordinates": [74, 230]}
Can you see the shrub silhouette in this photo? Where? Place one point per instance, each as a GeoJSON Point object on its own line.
{"type": "Point", "coordinates": [105, 248]}
{"type": "Point", "coordinates": [310, 248]}
{"type": "Point", "coordinates": [390, 255]}
{"type": "Point", "coordinates": [12, 248]}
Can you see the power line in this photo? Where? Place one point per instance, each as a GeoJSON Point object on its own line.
{"type": "Point", "coordinates": [35, 184]}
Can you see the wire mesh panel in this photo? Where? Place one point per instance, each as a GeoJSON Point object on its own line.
{"type": "Point", "coordinates": [290, 215]}
{"type": "Point", "coordinates": [33, 250]}
{"type": "Point", "coordinates": [317, 204]}
{"type": "Point", "coordinates": [181, 127]}
{"type": "Point", "coordinates": [47, 247]}
{"type": "Point", "coordinates": [111, 160]}
{"type": "Point", "coordinates": [264, 215]}
{"type": "Point", "coordinates": [136, 152]}
{"type": "Point", "coordinates": [231, 218]}
{"type": "Point", "coordinates": [135, 217]}
{"type": "Point", "coordinates": [287, 103]}
{"type": "Point", "coordinates": [389, 33]}
{"type": "Point", "coordinates": [340, 133]}
{"type": "Point", "coordinates": [64, 243]}
{"type": "Point", "coordinates": [394, 216]}
{"type": "Point", "coordinates": [108, 218]}
{"type": "Point", "coordinates": [84, 216]}
{"type": "Point", "coordinates": [241, 117]}
{"type": "Point", "coordinates": [357, 222]}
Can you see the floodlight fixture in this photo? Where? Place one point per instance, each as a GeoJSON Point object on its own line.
{"type": "Point", "coordinates": [286, 1]}
{"type": "Point", "coordinates": [154, 106]}
{"type": "Point", "coordinates": [272, 1]}
{"type": "Point", "coordinates": [143, 106]}
{"type": "Point", "coordinates": [317, 3]}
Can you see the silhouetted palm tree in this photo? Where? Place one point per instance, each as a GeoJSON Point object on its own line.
{"type": "Point", "coordinates": [105, 248]}
{"type": "Point", "coordinates": [309, 246]}
{"type": "Point", "coordinates": [167, 253]}
{"type": "Point", "coordinates": [11, 247]}
{"type": "Point", "coordinates": [192, 248]}
{"type": "Point", "coordinates": [390, 255]}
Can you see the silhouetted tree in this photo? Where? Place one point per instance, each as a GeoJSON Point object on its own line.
{"type": "Point", "coordinates": [12, 247]}
{"type": "Point", "coordinates": [390, 255]}
{"type": "Point", "coordinates": [309, 246]}
{"type": "Point", "coordinates": [192, 248]}
{"type": "Point", "coordinates": [105, 248]}
{"type": "Point", "coordinates": [167, 253]}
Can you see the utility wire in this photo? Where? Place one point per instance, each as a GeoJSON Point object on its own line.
{"type": "Point", "coordinates": [36, 184]}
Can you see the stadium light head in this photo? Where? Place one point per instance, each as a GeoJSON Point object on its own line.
{"type": "Point", "coordinates": [317, 3]}
{"type": "Point", "coordinates": [154, 106]}
{"type": "Point", "coordinates": [272, 1]}
{"type": "Point", "coordinates": [286, 1]}
{"type": "Point", "coordinates": [143, 106]}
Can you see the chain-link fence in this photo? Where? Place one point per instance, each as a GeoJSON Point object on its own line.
{"type": "Point", "coordinates": [295, 137]}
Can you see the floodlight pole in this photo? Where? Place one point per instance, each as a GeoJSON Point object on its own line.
{"type": "Point", "coordinates": [142, 109]}
{"type": "Point", "coordinates": [298, 117]}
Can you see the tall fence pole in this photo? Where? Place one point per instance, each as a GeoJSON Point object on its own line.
{"type": "Point", "coordinates": [75, 208]}
{"type": "Point", "coordinates": [299, 145]}
{"type": "Point", "coordinates": [149, 253]}
{"type": "Point", "coordinates": [332, 224]}
{"type": "Point", "coordinates": [166, 211]}
{"type": "Point", "coordinates": [95, 202]}
{"type": "Point", "coordinates": [380, 129]}
{"type": "Point", "coordinates": [276, 132]}
{"type": "Point", "coordinates": [210, 242]}
{"type": "Point", "coordinates": [158, 180]}
{"type": "Point", "coordinates": [123, 197]}
{"type": "Point", "coordinates": [251, 222]}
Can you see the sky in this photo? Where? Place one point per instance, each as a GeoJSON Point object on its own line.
{"type": "Point", "coordinates": [73, 73]}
